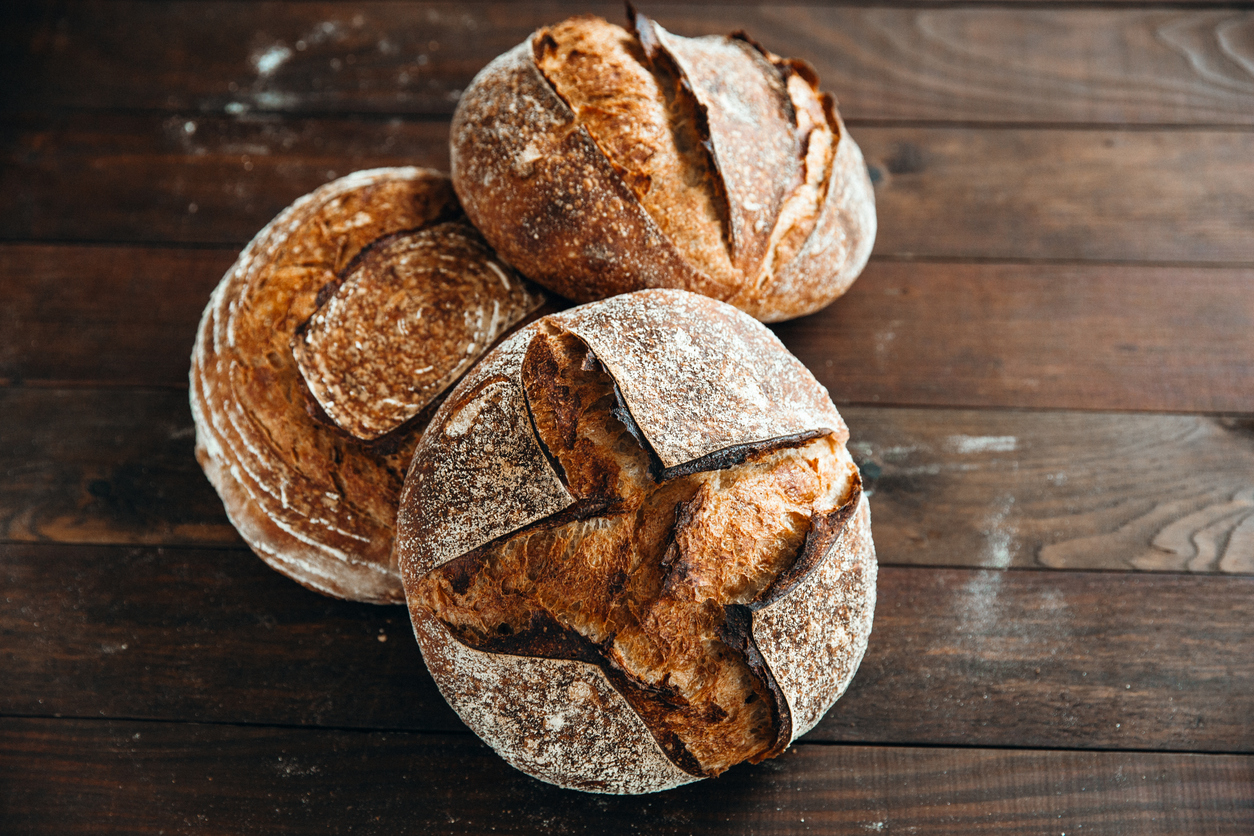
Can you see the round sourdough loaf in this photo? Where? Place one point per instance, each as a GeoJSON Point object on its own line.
{"type": "Point", "coordinates": [598, 161]}
{"type": "Point", "coordinates": [635, 549]}
{"type": "Point", "coordinates": [322, 354]}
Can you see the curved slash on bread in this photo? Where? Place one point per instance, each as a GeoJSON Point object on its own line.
{"type": "Point", "coordinates": [314, 502]}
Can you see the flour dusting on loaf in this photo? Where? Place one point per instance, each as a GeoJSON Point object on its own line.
{"type": "Point", "coordinates": [720, 602]}
{"type": "Point", "coordinates": [312, 500]}
{"type": "Point", "coordinates": [600, 160]}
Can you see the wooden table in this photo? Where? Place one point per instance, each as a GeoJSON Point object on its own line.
{"type": "Point", "coordinates": [1047, 367]}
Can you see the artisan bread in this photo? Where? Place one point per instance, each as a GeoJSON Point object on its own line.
{"type": "Point", "coordinates": [322, 353]}
{"type": "Point", "coordinates": [634, 547]}
{"type": "Point", "coordinates": [599, 160]}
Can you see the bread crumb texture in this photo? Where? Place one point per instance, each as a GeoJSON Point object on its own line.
{"type": "Point", "coordinates": [640, 158]}
{"type": "Point", "coordinates": [645, 585]}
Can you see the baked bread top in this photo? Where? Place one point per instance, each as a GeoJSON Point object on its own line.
{"type": "Point", "coordinates": [600, 160]}
{"type": "Point", "coordinates": [634, 546]}
{"type": "Point", "coordinates": [316, 501]}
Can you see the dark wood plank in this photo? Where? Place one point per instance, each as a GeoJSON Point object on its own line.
{"type": "Point", "coordinates": [108, 315]}
{"type": "Point", "coordinates": [1006, 65]}
{"type": "Point", "coordinates": [105, 467]}
{"type": "Point", "coordinates": [1141, 195]}
{"type": "Point", "coordinates": [1059, 490]}
{"type": "Point", "coordinates": [209, 636]}
{"type": "Point", "coordinates": [214, 180]}
{"type": "Point", "coordinates": [1063, 490]}
{"type": "Point", "coordinates": [987, 658]}
{"type": "Point", "coordinates": [1154, 195]}
{"type": "Point", "coordinates": [945, 334]}
{"type": "Point", "coordinates": [1037, 335]}
{"type": "Point", "coordinates": [115, 777]}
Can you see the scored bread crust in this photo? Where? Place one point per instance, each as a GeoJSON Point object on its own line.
{"type": "Point", "coordinates": [311, 500]}
{"type": "Point", "coordinates": [556, 204]}
{"type": "Point", "coordinates": [806, 633]}
{"type": "Point", "coordinates": [538, 187]}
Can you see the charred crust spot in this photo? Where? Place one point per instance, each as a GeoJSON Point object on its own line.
{"type": "Point", "coordinates": [544, 43]}
{"type": "Point", "coordinates": [543, 637]}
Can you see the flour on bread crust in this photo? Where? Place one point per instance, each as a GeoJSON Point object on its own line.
{"type": "Point", "coordinates": [559, 718]}
{"type": "Point", "coordinates": [311, 500]}
{"type": "Point", "coordinates": [559, 185]}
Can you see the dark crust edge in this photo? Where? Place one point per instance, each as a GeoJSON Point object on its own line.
{"type": "Point", "coordinates": [737, 634]}
{"type": "Point", "coordinates": [825, 530]}
{"type": "Point", "coordinates": [545, 638]}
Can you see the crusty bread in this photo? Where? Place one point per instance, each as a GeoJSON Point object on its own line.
{"type": "Point", "coordinates": [634, 547]}
{"type": "Point", "coordinates": [361, 256]}
{"type": "Point", "coordinates": [599, 161]}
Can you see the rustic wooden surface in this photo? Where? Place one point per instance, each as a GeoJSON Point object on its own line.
{"type": "Point", "coordinates": [1047, 368]}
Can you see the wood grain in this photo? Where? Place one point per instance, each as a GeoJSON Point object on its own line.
{"type": "Point", "coordinates": [981, 657]}
{"type": "Point", "coordinates": [103, 315]}
{"type": "Point", "coordinates": [1140, 195]}
{"type": "Point", "coordinates": [109, 177]}
{"type": "Point", "coordinates": [1007, 335]}
{"type": "Point", "coordinates": [1037, 335]}
{"type": "Point", "coordinates": [1065, 490]}
{"type": "Point", "coordinates": [105, 467]}
{"type": "Point", "coordinates": [117, 777]}
{"type": "Point", "coordinates": [1059, 489]}
{"type": "Point", "coordinates": [966, 64]}
{"type": "Point", "coordinates": [957, 192]}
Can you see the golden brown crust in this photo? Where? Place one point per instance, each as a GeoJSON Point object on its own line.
{"type": "Point", "coordinates": [629, 579]}
{"type": "Point", "coordinates": [561, 721]}
{"type": "Point", "coordinates": [745, 105]}
{"type": "Point", "coordinates": [546, 198]}
{"type": "Point", "coordinates": [701, 378]}
{"type": "Point", "coordinates": [648, 124]}
{"type": "Point", "coordinates": [314, 502]}
{"type": "Point", "coordinates": [645, 159]}
{"type": "Point", "coordinates": [408, 316]}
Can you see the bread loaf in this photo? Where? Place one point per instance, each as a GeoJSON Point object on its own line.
{"type": "Point", "coordinates": [598, 161]}
{"type": "Point", "coordinates": [386, 295]}
{"type": "Point", "coordinates": [634, 547]}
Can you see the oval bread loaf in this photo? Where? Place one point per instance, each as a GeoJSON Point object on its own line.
{"type": "Point", "coordinates": [635, 549]}
{"type": "Point", "coordinates": [322, 353]}
{"type": "Point", "coordinates": [598, 161]}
